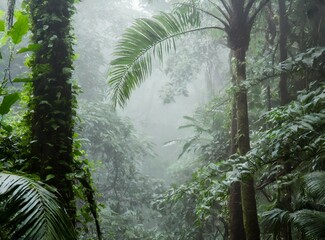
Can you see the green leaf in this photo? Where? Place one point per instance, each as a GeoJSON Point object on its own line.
{"type": "Point", "coordinates": [55, 126]}
{"type": "Point", "coordinates": [23, 80]}
{"type": "Point", "coordinates": [50, 176]}
{"type": "Point", "coordinates": [3, 40]}
{"type": "Point", "coordinates": [6, 127]}
{"type": "Point", "coordinates": [20, 28]}
{"type": "Point", "coordinates": [7, 102]}
{"type": "Point", "coordinates": [2, 26]}
{"type": "Point", "coordinates": [30, 48]}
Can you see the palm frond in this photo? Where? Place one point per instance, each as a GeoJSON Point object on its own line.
{"type": "Point", "coordinates": [29, 211]}
{"type": "Point", "coordinates": [144, 39]}
{"type": "Point", "coordinates": [310, 223]}
{"type": "Point", "coordinates": [273, 220]}
{"type": "Point", "coordinates": [315, 183]}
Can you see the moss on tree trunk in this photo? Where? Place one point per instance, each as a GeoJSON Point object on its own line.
{"type": "Point", "coordinates": [51, 104]}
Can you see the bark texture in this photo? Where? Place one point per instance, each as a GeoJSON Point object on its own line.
{"type": "Point", "coordinates": [284, 30]}
{"type": "Point", "coordinates": [238, 40]}
{"type": "Point", "coordinates": [52, 115]}
{"type": "Point", "coordinates": [285, 192]}
{"type": "Point", "coordinates": [236, 222]}
{"type": "Point", "coordinates": [247, 184]}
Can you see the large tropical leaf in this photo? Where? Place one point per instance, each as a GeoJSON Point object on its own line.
{"type": "Point", "coordinates": [311, 223]}
{"type": "Point", "coordinates": [315, 183]}
{"type": "Point", "coordinates": [145, 39]}
{"type": "Point", "coordinates": [29, 211]}
{"type": "Point", "coordinates": [273, 220]}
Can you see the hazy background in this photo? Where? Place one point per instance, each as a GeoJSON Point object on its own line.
{"type": "Point", "coordinates": [98, 25]}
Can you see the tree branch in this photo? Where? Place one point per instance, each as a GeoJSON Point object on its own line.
{"type": "Point", "coordinates": [257, 10]}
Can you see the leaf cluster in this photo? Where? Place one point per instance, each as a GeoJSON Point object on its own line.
{"type": "Point", "coordinates": [30, 211]}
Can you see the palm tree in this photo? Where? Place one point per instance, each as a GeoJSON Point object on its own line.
{"type": "Point", "coordinates": [152, 37]}
{"type": "Point", "coordinates": [308, 217]}
{"type": "Point", "coordinates": [28, 210]}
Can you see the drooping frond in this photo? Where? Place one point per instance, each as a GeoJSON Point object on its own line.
{"type": "Point", "coordinates": [29, 211]}
{"type": "Point", "coordinates": [224, 22]}
{"type": "Point", "coordinates": [144, 39]}
{"type": "Point", "coordinates": [315, 183]}
{"type": "Point", "coordinates": [273, 220]}
{"type": "Point", "coordinates": [311, 223]}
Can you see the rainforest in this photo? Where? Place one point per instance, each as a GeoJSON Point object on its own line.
{"type": "Point", "coordinates": [162, 120]}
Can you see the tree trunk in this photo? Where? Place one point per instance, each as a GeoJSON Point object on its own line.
{"type": "Point", "coordinates": [284, 29]}
{"type": "Point", "coordinates": [285, 193]}
{"type": "Point", "coordinates": [238, 41]}
{"type": "Point", "coordinates": [247, 186]}
{"type": "Point", "coordinates": [236, 223]}
{"type": "Point", "coordinates": [10, 13]}
{"type": "Point", "coordinates": [316, 15]}
{"type": "Point", "coordinates": [52, 115]}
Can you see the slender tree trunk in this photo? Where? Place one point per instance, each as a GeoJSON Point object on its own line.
{"type": "Point", "coordinates": [236, 223]}
{"type": "Point", "coordinates": [238, 41]}
{"type": "Point", "coordinates": [52, 115]}
{"type": "Point", "coordinates": [284, 29]}
{"type": "Point", "coordinates": [316, 15]}
{"type": "Point", "coordinates": [285, 193]}
{"type": "Point", "coordinates": [10, 13]}
{"type": "Point", "coordinates": [247, 185]}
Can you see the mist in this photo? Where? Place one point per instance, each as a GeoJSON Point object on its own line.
{"type": "Point", "coordinates": [162, 119]}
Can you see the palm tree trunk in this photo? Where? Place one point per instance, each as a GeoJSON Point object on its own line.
{"type": "Point", "coordinates": [247, 184]}
{"type": "Point", "coordinates": [238, 41]}
{"type": "Point", "coordinates": [236, 223]}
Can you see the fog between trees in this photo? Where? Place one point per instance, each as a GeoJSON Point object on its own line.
{"type": "Point", "coordinates": [163, 119]}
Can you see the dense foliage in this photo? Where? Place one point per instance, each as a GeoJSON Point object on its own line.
{"type": "Point", "coordinates": [96, 160]}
